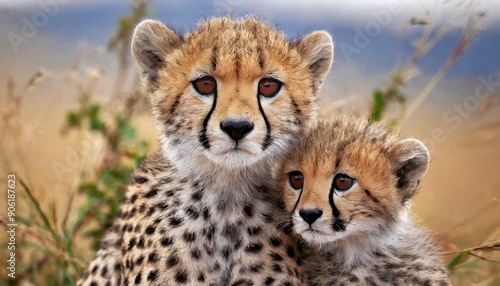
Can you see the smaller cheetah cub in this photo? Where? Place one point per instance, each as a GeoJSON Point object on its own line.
{"type": "Point", "coordinates": [348, 187]}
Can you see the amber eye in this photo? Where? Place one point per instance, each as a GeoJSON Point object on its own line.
{"type": "Point", "coordinates": [342, 182]}
{"type": "Point", "coordinates": [205, 85]}
{"type": "Point", "coordinates": [269, 87]}
{"type": "Point", "coordinates": [296, 180]}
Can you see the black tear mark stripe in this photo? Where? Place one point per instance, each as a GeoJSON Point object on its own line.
{"type": "Point", "coordinates": [298, 200]}
{"type": "Point", "coordinates": [338, 224]}
{"type": "Point", "coordinates": [203, 136]}
{"type": "Point", "coordinates": [268, 139]}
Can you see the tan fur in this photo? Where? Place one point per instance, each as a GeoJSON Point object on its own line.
{"type": "Point", "coordinates": [366, 237]}
{"type": "Point", "coordinates": [203, 210]}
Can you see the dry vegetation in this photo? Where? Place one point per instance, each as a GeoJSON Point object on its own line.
{"type": "Point", "coordinates": [102, 145]}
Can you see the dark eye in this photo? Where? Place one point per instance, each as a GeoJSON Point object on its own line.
{"type": "Point", "coordinates": [296, 180]}
{"type": "Point", "coordinates": [269, 87]}
{"type": "Point", "coordinates": [342, 182]}
{"type": "Point", "coordinates": [205, 85]}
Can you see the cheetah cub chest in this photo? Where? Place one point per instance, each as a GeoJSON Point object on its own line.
{"type": "Point", "coordinates": [347, 189]}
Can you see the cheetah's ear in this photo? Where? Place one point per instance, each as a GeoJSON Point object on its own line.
{"type": "Point", "coordinates": [411, 159]}
{"type": "Point", "coordinates": [151, 42]}
{"type": "Point", "coordinates": [317, 50]}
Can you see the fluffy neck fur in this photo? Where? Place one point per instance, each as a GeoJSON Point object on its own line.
{"type": "Point", "coordinates": [362, 249]}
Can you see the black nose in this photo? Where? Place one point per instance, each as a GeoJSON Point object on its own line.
{"type": "Point", "coordinates": [236, 129]}
{"type": "Point", "coordinates": [310, 215]}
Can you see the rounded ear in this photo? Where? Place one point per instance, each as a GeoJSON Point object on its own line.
{"type": "Point", "coordinates": [410, 159]}
{"type": "Point", "coordinates": [151, 42]}
{"type": "Point", "coordinates": [317, 51]}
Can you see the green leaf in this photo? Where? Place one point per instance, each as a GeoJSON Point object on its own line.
{"type": "Point", "coordinates": [73, 119]}
{"type": "Point", "coordinates": [127, 132]}
{"type": "Point", "coordinates": [96, 124]}
{"type": "Point", "coordinates": [26, 220]}
{"type": "Point", "coordinates": [378, 106]}
{"type": "Point", "coordinates": [94, 233]}
{"type": "Point", "coordinates": [94, 110]}
{"type": "Point", "coordinates": [91, 190]}
{"type": "Point", "coordinates": [39, 211]}
{"type": "Point", "coordinates": [399, 96]}
{"type": "Point", "coordinates": [458, 259]}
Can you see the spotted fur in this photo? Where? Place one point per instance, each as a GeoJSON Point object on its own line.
{"type": "Point", "coordinates": [364, 234]}
{"type": "Point", "coordinates": [202, 211]}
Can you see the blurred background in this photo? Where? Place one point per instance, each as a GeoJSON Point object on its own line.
{"type": "Point", "coordinates": [74, 122]}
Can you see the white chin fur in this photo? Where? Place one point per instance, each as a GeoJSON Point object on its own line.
{"type": "Point", "coordinates": [315, 236]}
{"type": "Point", "coordinates": [190, 155]}
{"type": "Point", "coordinates": [233, 159]}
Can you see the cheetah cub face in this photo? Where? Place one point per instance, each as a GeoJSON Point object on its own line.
{"type": "Point", "coordinates": [231, 93]}
{"type": "Point", "coordinates": [348, 179]}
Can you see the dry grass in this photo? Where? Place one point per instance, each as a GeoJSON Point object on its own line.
{"type": "Point", "coordinates": [56, 213]}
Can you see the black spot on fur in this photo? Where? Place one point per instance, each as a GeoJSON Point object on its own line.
{"type": "Point", "coordinates": [153, 275]}
{"type": "Point", "coordinates": [140, 244]}
{"type": "Point", "coordinates": [196, 253]}
{"type": "Point", "coordinates": [290, 252]}
{"type": "Point", "coordinates": [248, 209]}
{"type": "Point", "coordinates": [197, 195]}
{"type": "Point", "coordinates": [192, 212]}
{"type": "Point", "coordinates": [256, 268]}
{"type": "Point", "coordinates": [133, 198]}
{"type": "Point", "coordinates": [189, 236]}
{"type": "Point", "coordinates": [254, 230]}
{"type": "Point", "coordinates": [166, 241]}
{"type": "Point", "coordinates": [140, 180]}
{"type": "Point", "coordinates": [151, 193]}
{"type": "Point", "coordinates": [201, 278]}
{"type": "Point", "coordinates": [131, 243]}
{"type": "Point", "coordinates": [172, 261]}
{"type": "Point", "coordinates": [206, 213]}
{"type": "Point", "coordinates": [276, 268]}
{"type": "Point", "coordinates": [175, 221]}
{"type": "Point", "coordinates": [153, 257]}
{"type": "Point", "coordinates": [268, 218]}
{"type": "Point", "coordinates": [276, 257]}
{"type": "Point", "coordinates": [254, 247]}
{"type": "Point", "coordinates": [150, 229]}
{"type": "Point", "coordinates": [226, 251]}
{"type": "Point", "coordinates": [181, 277]}
{"type": "Point", "coordinates": [275, 241]}
{"type": "Point", "coordinates": [104, 272]}
{"type": "Point", "coordinates": [138, 278]}
{"type": "Point", "coordinates": [269, 281]}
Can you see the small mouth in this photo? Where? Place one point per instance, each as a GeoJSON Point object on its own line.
{"type": "Point", "coordinates": [236, 150]}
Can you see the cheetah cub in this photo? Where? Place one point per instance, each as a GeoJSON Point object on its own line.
{"type": "Point", "coordinates": [229, 100]}
{"type": "Point", "coordinates": [348, 187]}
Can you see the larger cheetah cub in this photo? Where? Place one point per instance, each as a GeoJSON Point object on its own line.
{"type": "Point", "coordinates": [229, 99]}
{"type": "Point", "coordinates": [348, 186]}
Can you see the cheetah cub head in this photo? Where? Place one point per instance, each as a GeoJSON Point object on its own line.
{"type": "Point", "coordinates": [232, 93]}
{"type": "Point", "coordinates": [348, 178]}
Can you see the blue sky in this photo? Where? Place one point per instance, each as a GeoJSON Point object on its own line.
{"type": "Point", "coordinates": [388, 37]}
